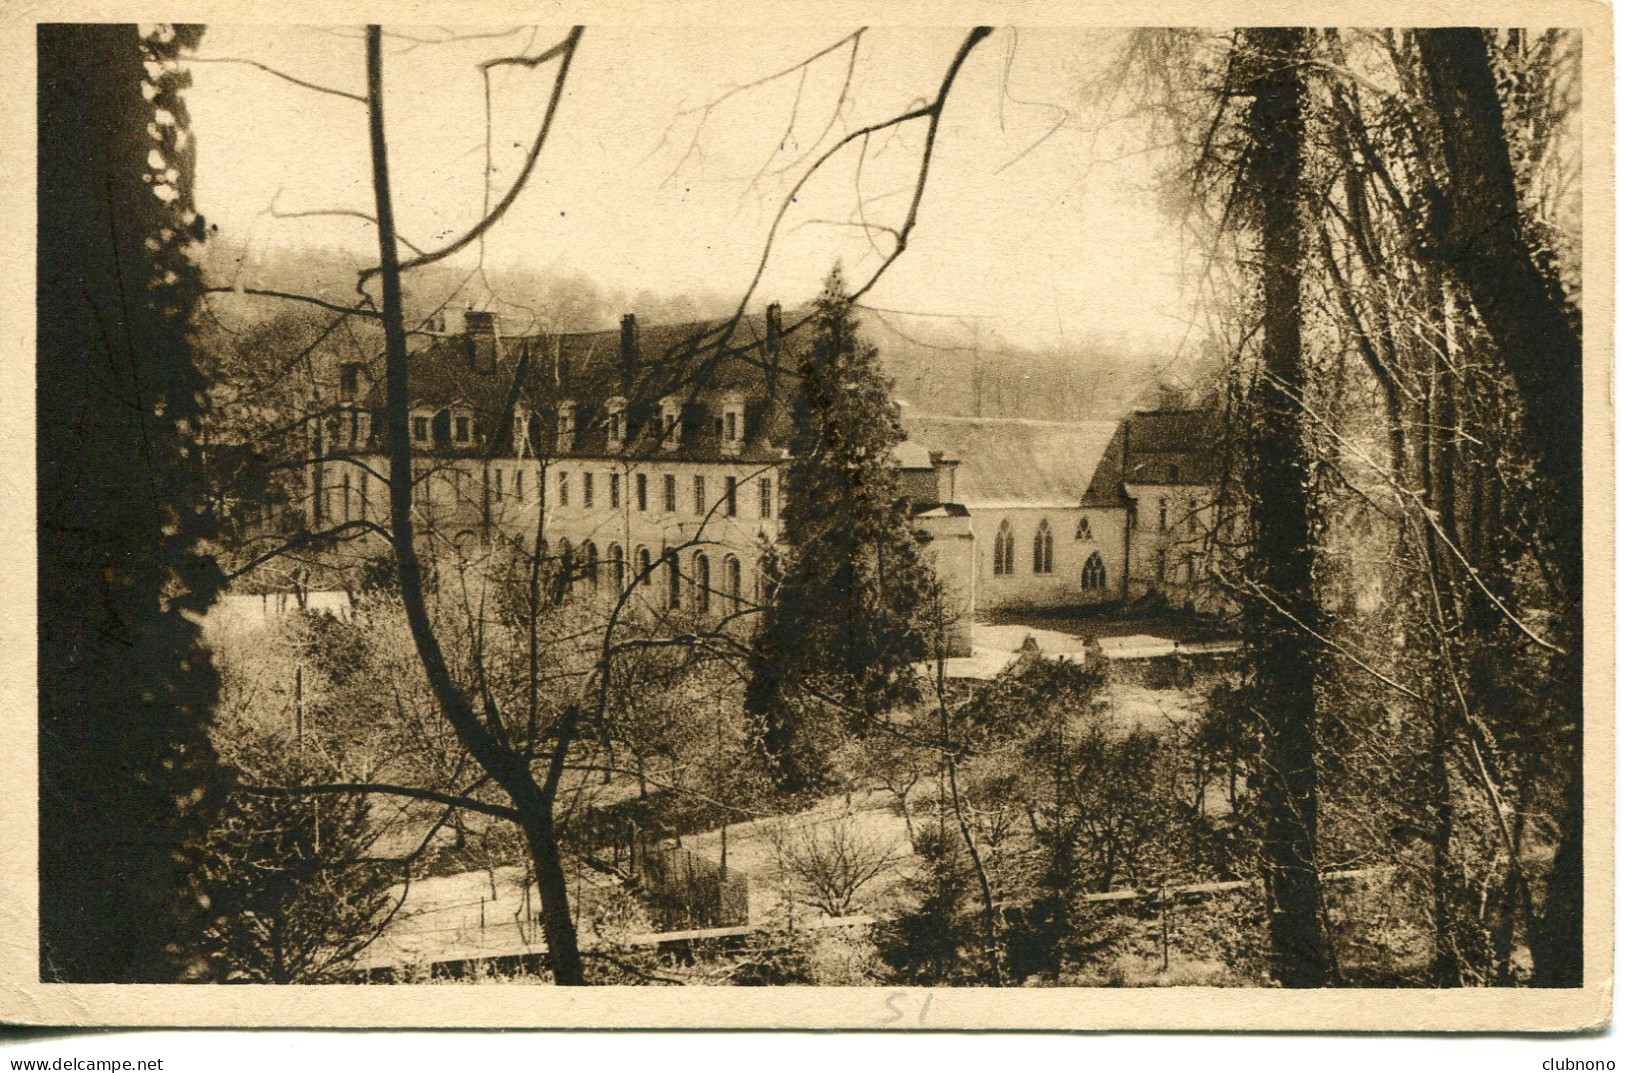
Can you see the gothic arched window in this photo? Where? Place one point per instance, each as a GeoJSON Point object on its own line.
{"type": "Point", "coordinates": [1004, 549]}
{"type": "Point", "coordinates": [674, 582]}
{"type": "Point", "coordinates": [1082, 532]}
{"type": "Point", "coordinates": [566, 566]}
{"type": "Point", "coordinates": [702, 583]}
{"type": "Point", "coordinates": [589, 563]}
{"type": "Point", "coordinates": [1043, 549]}
{"type": "Point", "coordinates": [617, 567]}
{"type": "Point", "coordinates": [1094, 573]}
{"type": "Point", "coordinates": [731, 578]}
{"type": "Point", "coordinates": [643, 561]}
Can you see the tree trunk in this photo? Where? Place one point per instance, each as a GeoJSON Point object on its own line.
{"type": "Point", "coordinates": [558, 926]}
{"type": "Point", "coordinates": [509, 769]}
{"type": "Point", "coordinates": [1282, 614]}
{"type": "Point", "coordinates": [1481, 239]}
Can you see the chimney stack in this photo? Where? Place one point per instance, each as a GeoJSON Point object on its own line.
{"type": "Point", "coordinates": [775, 326]}
{"type": "Point", "coordinates": [480, 326]}
{"type": "Point", "coordinates": [775, 331]}
{"type": "Point", "coordinates": [629, 351]}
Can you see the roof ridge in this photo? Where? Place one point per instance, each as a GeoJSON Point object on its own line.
{"type": "Point", "coordinates": [910, 413]}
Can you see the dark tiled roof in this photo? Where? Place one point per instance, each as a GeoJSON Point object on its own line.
{"type": "Point", "coordinates": [1159, 447]}
{"type": "Point", "coordinates": [1174, 447]}
{"type": "Point", "coordinates": [491, 376]}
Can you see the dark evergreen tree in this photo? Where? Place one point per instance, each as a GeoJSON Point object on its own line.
{"type": "Point", "coordinates": [296, 889]}
{"type": "Point", "coordinates": [845, 626]}
{"type": "Point", "coordinates": [127, 775]}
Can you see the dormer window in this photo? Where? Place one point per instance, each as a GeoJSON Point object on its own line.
{"type": "Point", "coordinates": [566, 426]}
{"type": "Point", "coordinates": [422, 426]}
{"type": "Point", "coordinates": [731, 425]}
{"type": "Point", "coordinates": [615, 421]}
{"type": "Point", "coordinates": [671, 409]}
{"type": "Point", "coordinates": [1173, 474]}
{"type": "Point", "coordinates": [349, 381]}
{"type": "Point", "coordinates": [462, 428]}
{"type": "Point", "coordinates": [521, 431]}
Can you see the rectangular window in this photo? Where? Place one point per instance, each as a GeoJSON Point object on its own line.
{"type": "Point", "coordinates": [420, 429]}
{"type": "Point", "coordinates": [462, 430]}
{"type": "Point", "coordinates": [499, 485]}
{"type": "Point", "coordinates": [643, 491]}
{"type": "Point", "coordinates": [519, 485]}
{"type": "Point", "coordinates": [699, 495]}
{"type": "Point", "coordinates": [671, 494]}
{"type": "Point", "coordinates": [733, 426]}
{"type": "Point", "coordinates": [349, 382]}
{"type": "Point", "coordinates": [564, 489]}
{"type": "Point", "coordinates": [765, 488]}
{"type": "Point", "coordinates": [615, 491]}
{"type": "Point", "coordinates": [363, 495]}
{"type": "Point", "coordinates": [731, 496]}
{"type": "Point", "coordinates": [355, 427]}
{"type": "Point", "coordinates": [586, 489]}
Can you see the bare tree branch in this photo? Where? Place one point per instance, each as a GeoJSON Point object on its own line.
{"type": "Point", "coordinates": [566, 51]}
{"type": "Point", "coordinates": [470, 803]}
{"type": "Point", "coordinates": [357, 97]}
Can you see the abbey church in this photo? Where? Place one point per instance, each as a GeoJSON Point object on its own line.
{"type": "Point", "coordinates": [657, 454]}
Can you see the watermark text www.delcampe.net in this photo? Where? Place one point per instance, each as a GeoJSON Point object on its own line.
{"type": "Point", "coordinates": [90, 1065]}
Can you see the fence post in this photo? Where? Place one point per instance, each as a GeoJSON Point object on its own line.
{"type": "Point", "coordinates": [1162, 916]}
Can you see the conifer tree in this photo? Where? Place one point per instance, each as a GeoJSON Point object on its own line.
{"type": "Point", "coordinates": [844, 628]}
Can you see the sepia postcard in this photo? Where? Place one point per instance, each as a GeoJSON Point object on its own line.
{"type": "Point", "coordinates": [952, 516]}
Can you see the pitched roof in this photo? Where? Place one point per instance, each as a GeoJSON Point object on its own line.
{"type": "Point", "coordinates": [1163, 447]}
{"type": "Point", "coordinates": [587, 370]}
{"type": "Point", "coordinates": [1006, 460]}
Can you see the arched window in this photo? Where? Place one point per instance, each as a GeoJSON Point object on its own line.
{"type": "Point", "coordinates": [767, 586]}
{"type": "Point", "coordinates": [1094, 573]}
{"type": "Point", "coordinates": [731, 580]}
{"type": "Point", "coordinates": [589, 563]}
{"type": "Point", "coordinates": [645, 575]}
{"type": "Point", "coordinates": [1082, 532]}
{"type": "Point", "coordinates": [617, 567]}
{"type": "Point", "coordinates": [702, 583]}
{"type": "Point", "coordinates": [1043, 549]}
{"type": "Point", "coordinates": [1004, 549]}
{"type": "Point", "coordinates": [674, 582]}
{"type": "Point", "coordinates": [566, 566]}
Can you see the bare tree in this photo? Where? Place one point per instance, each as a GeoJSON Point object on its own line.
{"type": "Point", "coordinates": [512, 756]}
{"type": "Point", "coordinates": [831, 862]}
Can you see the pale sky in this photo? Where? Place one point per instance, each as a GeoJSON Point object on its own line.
{"type": "Point", "coordinates": [1035, 222]}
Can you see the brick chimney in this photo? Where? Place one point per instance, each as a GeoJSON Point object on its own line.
{"type": "Point", "coordinates": [629, 351]}
{"type": "Point", "coordinates": [480, 327]}
{"type": "Point", "coordinates": [775, 333]}
{"type": "Point", "coordinates": [775, 326]}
